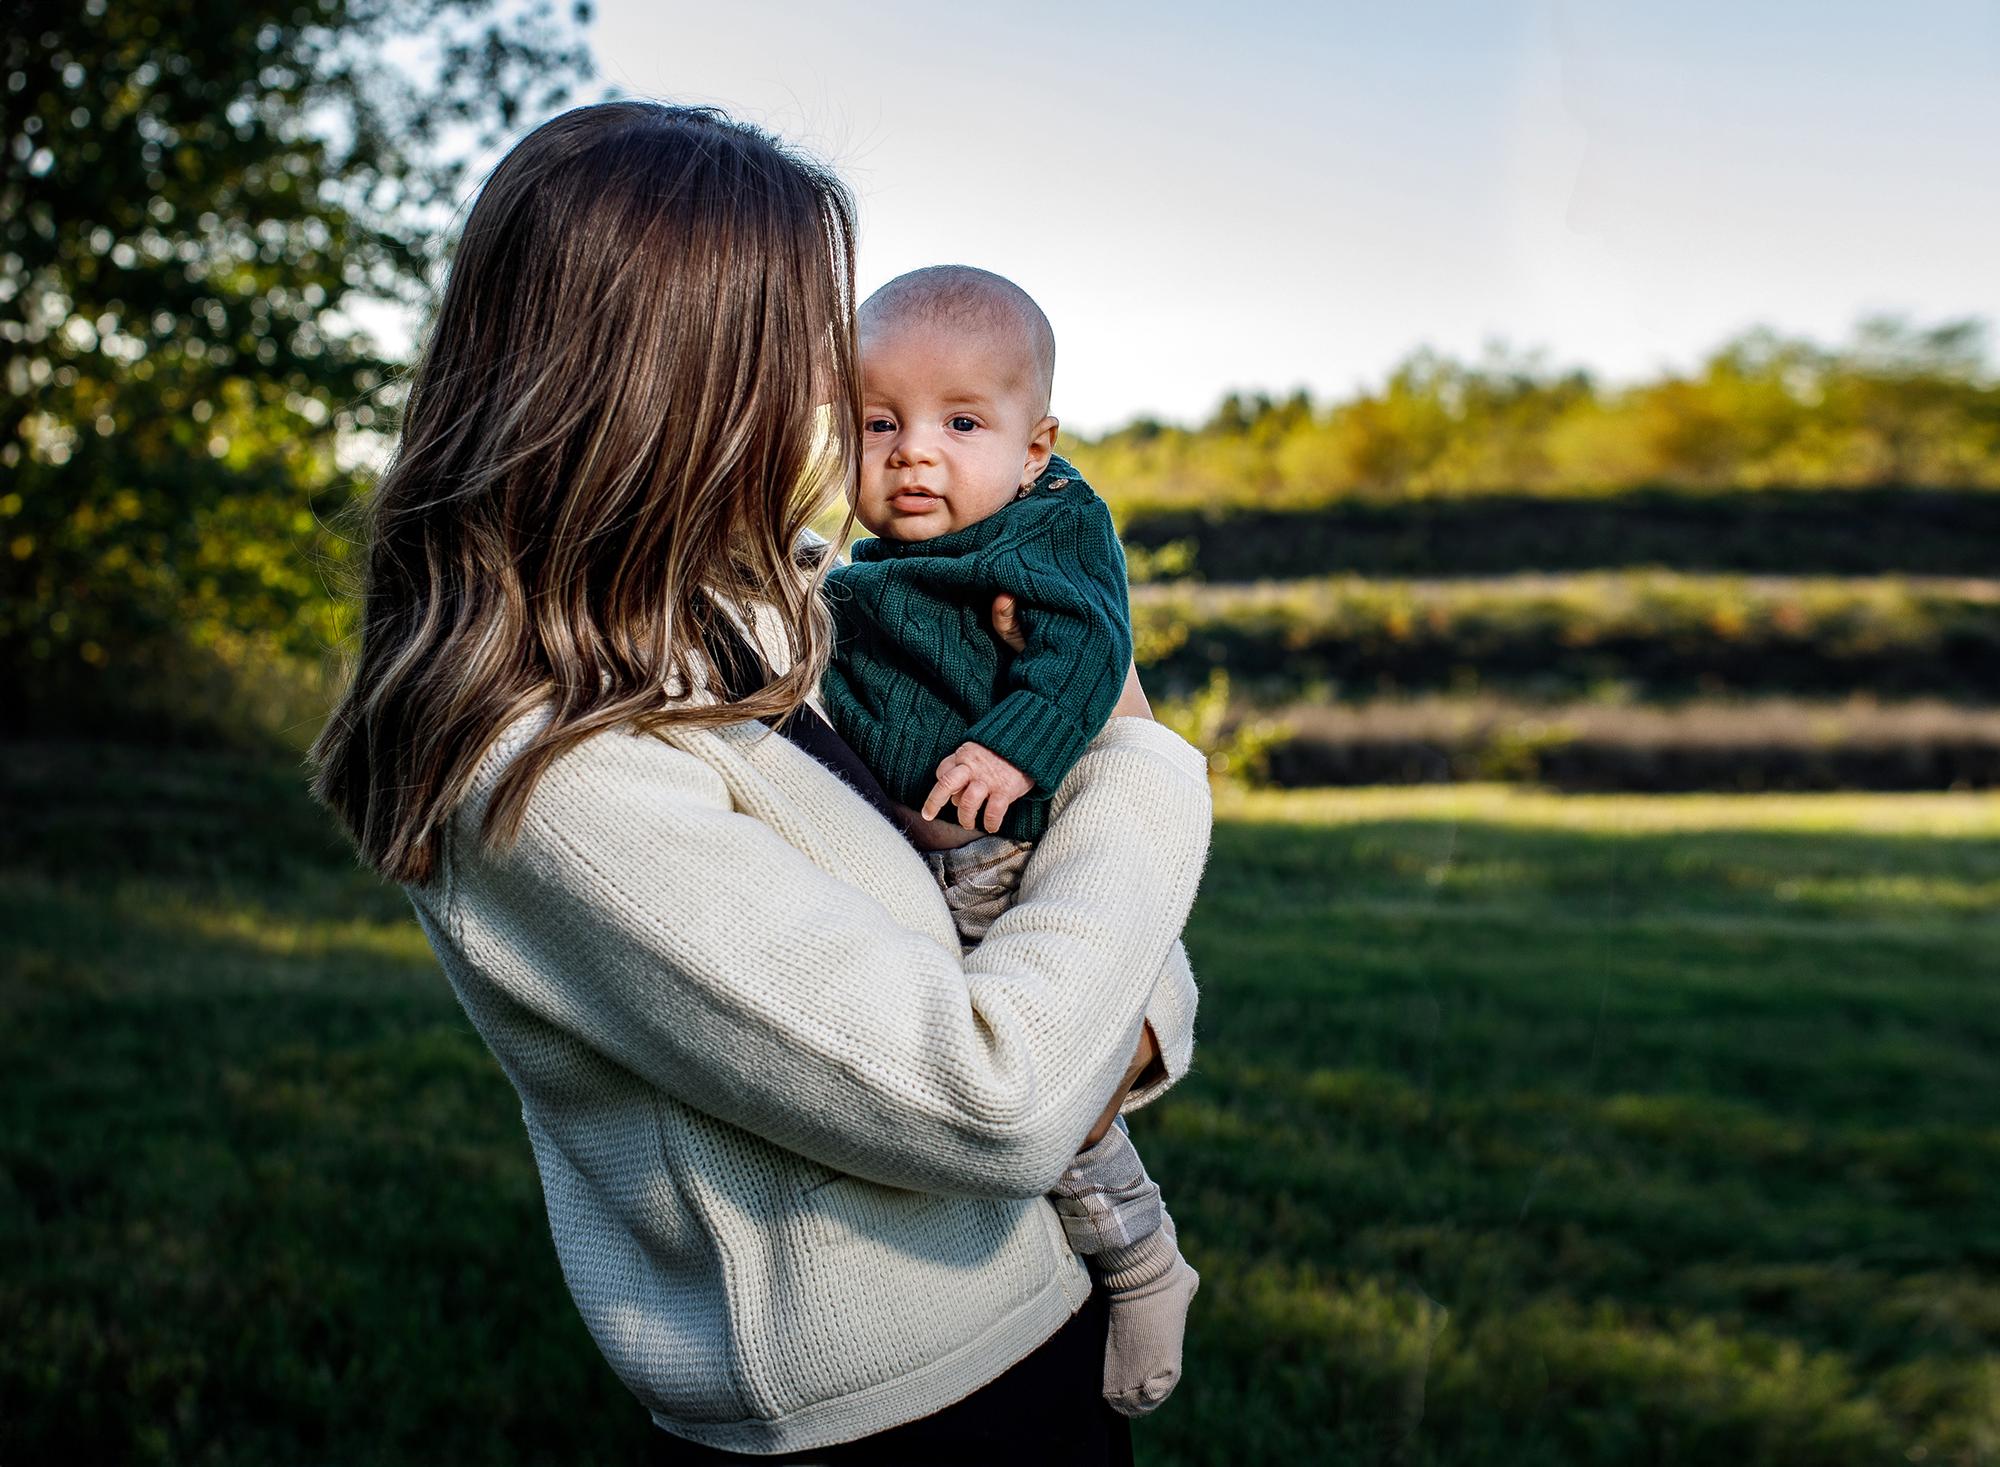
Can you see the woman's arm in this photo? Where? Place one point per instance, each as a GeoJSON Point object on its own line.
{"type": "Point", "coordinates": [705, 953]}
{"type": "Point", "coordinates": [1148, 1064]}
{"type": "Point", "coordinates": [1132, 699]}
{"type": "Point", "coordinates": [1148, 1073]}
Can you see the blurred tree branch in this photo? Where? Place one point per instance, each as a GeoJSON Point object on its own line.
{"type": "Point", "coordinates": [192, 197]}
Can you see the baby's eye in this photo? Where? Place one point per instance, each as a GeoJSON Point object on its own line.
{"type": "Point", "coordinates": [878, 425]}
{"type": "Point", "coordinates": [963, 424]}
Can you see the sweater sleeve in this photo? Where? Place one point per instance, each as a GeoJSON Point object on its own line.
{"type": "Point", "coordinates": [701, 951]}
{"type": "Point", "coordinates": [1069, 579]}
{"type": "Point", "coordinates": [1171, 1013]}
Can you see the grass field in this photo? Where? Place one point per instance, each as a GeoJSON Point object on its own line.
{"type": "Point", "coordinates": [1524, 1129]}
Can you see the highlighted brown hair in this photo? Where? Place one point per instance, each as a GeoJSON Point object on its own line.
{"type": "Point", "coordinates": [611, 434]}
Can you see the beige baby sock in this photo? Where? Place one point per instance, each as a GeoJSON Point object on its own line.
{"type": "Point", "coordinates": [1112, 1214]}
{"type": "Point", "coordinates": [1149, 1286]}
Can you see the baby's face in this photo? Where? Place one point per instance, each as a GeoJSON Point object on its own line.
{"type": "Point", "coordinates": [950, 429]}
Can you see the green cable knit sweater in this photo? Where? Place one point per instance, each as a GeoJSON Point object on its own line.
{"type": "Point", "coordinates": [917, 669]}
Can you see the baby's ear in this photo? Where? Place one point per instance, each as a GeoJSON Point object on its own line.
{"type": "Point", "coordinates": [1041, 444]}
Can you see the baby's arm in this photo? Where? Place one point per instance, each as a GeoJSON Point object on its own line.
{"type": "Point", "coordinates": [1068, 672]}
{"type": "Point", "coordinates": [1063, 684]}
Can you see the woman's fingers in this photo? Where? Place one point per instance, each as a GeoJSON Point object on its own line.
{"type": "Point", "coordinates": [996, 811]}
{"type": "Point", "coordinates": [1007, 622]}
{"type": "Point", "coordinates": [969, 800]}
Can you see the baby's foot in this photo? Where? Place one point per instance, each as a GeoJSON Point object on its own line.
{"type": "Point", "coordinates": [1149, 1287]}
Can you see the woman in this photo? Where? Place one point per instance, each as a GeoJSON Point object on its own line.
{"type": "Point", "coordinates": [793, 1147]}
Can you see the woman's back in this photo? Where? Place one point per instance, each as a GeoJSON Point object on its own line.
{"type": "Point", "coordinates": [757, 1105]}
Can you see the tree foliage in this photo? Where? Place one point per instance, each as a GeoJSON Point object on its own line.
{"type": "Point", "coordinates": [1898, 405]}
{"type": "Point", "coordinates": [194, 198]}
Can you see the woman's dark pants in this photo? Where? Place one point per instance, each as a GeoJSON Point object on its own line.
{"type": "Point", "coordinates": [1048, 1411]}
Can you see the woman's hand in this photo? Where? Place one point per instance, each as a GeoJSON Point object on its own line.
{"type": "Point", "coordinates": [933, 835]}
{"type": "Point", "coordinates": [1007, 627]}
{"type": "Point", "coordinates": [1007, 623]}
{"type": "Point", "coordinates": [1144, 1058]}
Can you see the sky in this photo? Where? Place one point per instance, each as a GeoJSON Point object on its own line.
{"type": "Point", "coordinates": [1276, 196]}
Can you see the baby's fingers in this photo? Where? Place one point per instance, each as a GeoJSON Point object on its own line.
{"type": "Point", "coordinates": [951, 780]}
{"type": "Point", "coordinates": [969, 801]}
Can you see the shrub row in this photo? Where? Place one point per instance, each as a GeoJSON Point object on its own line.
{"type": "Point", "coordinates": [1772, 744]}
{"type": "Point", "coordinates": [1780, 531]}
{"type": "Point", "coordinates": [1651, 635]}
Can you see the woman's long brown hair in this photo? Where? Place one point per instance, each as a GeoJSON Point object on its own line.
{"type": "Point", "coordinates": [611, 434]}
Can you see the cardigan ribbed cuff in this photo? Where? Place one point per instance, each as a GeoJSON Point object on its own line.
{"type": "Point", "coordinates": [1034, 735]}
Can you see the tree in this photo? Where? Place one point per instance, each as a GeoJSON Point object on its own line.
{"type": "Point", "coordinates": [1917, 396]}
{"type": "Point", "coordinates": [192, 198]}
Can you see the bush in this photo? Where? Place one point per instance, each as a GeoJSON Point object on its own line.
{"type": "Point", "coordinates": [1778, 531]}
{"type": "Point", "coordinates": [1656, 635]}
{"type": "Point", "coordinates": [1767, 744]}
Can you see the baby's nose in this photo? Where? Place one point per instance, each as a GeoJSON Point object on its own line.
{"type": "Point", "coordinates": [916, 447]}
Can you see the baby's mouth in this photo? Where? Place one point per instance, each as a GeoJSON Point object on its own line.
{"type": "Point", "coordinates": [916, 499]}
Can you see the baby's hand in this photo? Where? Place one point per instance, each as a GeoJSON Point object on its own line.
{"type": "Point", "coordinates": [973, 775]}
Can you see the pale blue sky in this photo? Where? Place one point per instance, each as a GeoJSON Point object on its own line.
{"type": "Point", "coordinates": [1281, 195]}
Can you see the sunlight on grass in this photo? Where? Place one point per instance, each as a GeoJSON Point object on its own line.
{"type": "Point", "coordinates": [286, 937]}
{"type": "Point", "coordinates": [1524, 1130]}
{"type": "Point", "coordinates": [1940, 816]}
{"type": "Point", "coordinates": [1887, 893]}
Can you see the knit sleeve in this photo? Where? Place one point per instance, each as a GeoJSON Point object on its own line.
{"type": "Point", "coordinates": [702, 952]}
{"type": "Point", "coordinates": [1069, 580]}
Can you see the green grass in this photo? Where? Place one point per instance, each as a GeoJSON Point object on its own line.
{"type": "Point", "coordinates": [1524, 1129]}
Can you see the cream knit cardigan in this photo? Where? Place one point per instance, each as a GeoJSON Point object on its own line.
{"type": "Point", "coordinates": [792, 1146]}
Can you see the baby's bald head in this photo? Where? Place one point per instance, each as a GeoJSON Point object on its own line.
{"type": "Point", "coordinates": [962, 298]}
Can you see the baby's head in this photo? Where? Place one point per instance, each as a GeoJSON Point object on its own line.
{"type": "Point", "coordinates": [956, 366]}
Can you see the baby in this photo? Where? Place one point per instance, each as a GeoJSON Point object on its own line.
{"type": "Point", "coordinates": [960, 483]}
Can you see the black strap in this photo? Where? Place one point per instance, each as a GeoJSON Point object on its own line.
{"type": "Point", "coordinates": [743, 672]}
